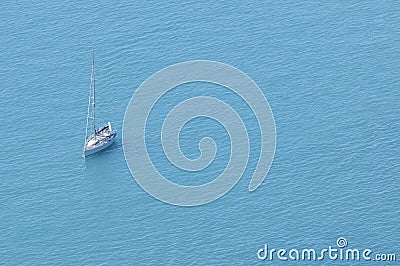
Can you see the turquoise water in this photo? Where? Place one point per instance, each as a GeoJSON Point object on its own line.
{"type": "Point", "coordinates": [329, 71]}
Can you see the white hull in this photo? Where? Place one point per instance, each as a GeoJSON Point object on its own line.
{"type": "Point", "coordinates": [99, 148]}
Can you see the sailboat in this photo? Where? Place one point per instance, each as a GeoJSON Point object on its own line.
{"type": "Point", "coordinates": [102, 137]}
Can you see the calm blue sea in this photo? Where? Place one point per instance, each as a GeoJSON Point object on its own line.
{"type": "Point", "coordinates": [330, 72]}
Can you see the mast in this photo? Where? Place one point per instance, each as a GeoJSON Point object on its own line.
{"type": "Point", "coordinates": [91, 101]}
{"type": "Point", "coordinates": [94, 96]}
{"type": "Point", "coordinates": [87, 121]}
